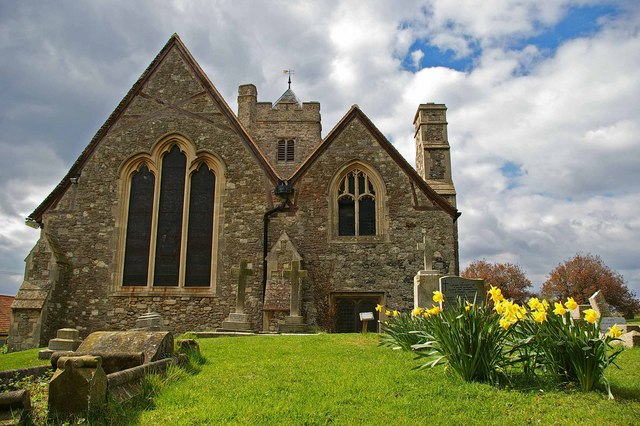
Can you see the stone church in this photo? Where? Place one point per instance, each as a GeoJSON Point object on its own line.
{"type": "Point", "coordinates": [234, 222]}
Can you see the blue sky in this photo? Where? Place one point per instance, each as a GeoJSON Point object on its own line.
{"type": "Point", "coordinates": [542, 102]}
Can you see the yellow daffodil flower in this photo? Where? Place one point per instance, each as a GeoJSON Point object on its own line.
{"type": "Point", "coordinates": [468, 306]}
{"type": "Point", "coordinates": [387, 313]}
{"type": "Point", "coordinates": [504, 323]}
{"type": "Point", "coordinates": [396, 313]}
{"type": "Point", "coordinates": [533, 303]}
{"type": "Point", "coordinates": [545, 304]}
{"type": "Point", "coordinates": [590, 316]}
{"type": "Point", "coordinates": [438, 296]}
{"type": "Point", "coordinates": [559, 310]}
{"type": "Point", "coordinates": [435, 310]}
{"type": "Point", "coordinates": [496, 294]}
{"type": "Point", "coordinates": [540, 316]}
{"type": "Point", "coordinates": [417, 311]}
{"type": "Point", "coordinates": [426, 314]}
{"type": "Point", "coordinates": [615, 332]}
{"type": "Point", "coordinates": [570, 304]}
{"type": "Point", "coordinates": [379, 308]}
{"type": "Point", "coordinates": [499, 307]}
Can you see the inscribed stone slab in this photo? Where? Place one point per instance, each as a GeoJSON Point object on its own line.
{"type": "Point", "coordinates": [607, 322]}
{"type": "Point", "coordinates": [465, 288]}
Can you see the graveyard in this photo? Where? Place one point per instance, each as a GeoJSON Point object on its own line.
{"type": "Point", "coordinates": [350, 379]}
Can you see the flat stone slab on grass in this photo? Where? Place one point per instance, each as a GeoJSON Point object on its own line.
{"type": "Point", "coordinates": [155, 344]}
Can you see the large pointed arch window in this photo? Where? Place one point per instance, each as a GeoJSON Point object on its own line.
{"type": "Point", "coordinates": [171, 217]}
{"type": "Point", "coordinates": [357, 204]}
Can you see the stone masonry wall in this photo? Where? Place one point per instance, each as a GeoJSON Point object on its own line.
{"type": "Point", "coordinates": [86, 221]}
{"type": "Point", "coordinates": [386, 266]}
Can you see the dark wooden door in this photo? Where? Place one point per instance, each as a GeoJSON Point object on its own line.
{"type": "Point", "coordinates": [348, 313]}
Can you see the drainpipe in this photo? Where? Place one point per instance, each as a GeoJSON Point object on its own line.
{"type": "Point", "coordinates": [283, 190]}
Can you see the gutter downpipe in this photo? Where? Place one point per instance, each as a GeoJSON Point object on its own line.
{"type": "Point", "coordinates": [265, 243]}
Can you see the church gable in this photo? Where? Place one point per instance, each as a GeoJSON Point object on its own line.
{"type": "Point", "coordinates": [172, 84]}
{"type": "Point", "coordinates": [355, 138]}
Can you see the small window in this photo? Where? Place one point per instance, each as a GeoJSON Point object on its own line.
{"type": "Point", "coordinates": [286, 150]}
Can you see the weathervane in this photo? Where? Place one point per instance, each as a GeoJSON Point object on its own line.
{"type": "Point", "coordinates": [289, 72]}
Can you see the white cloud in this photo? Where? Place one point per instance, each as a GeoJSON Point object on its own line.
{"type": "Point", "coordinates": [567, 118]}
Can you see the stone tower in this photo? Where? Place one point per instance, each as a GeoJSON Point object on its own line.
{"type": "Point", "coordinates": [433, 158]}
{"type": "Point", "coordinates": [286, 131]}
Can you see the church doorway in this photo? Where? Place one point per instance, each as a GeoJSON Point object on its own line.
{"type": "Point", "coordinates": [347, 308]}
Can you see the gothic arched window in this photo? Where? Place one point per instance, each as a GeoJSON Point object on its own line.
{"type": "Point", "coordinates": [170, 240]}
{"type": "Point", "coordinates": [356, 204]}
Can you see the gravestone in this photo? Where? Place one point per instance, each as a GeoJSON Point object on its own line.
{"type": "Point", "coordinates": [78, 386]}
{"type": "Point", "coordinates": [599, 304]}
{"type": "Point", "coordinates": [151, 321]}
{"type": "Point", "coordinates": [607, 322]}
{"type": "Point", "coordinates": [467, 289]}
{"type": "Point", "coordinates": [426, 281]}
{"type": "Point", "coordinates": [155, 345]}
{"type": "Point", "coordinates": [67, 339]}
{"type": "Point", "coordinates": [294, 322]}
{"type": "Point", "coordinates": [238, 320]}
{"type": "Point", "coordinates": [578, 312]}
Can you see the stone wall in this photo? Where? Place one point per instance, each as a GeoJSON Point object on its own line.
{"type": "Point", "coordinates": [268, 124]}
{"type": "Point", "coordinates": [87, 221]}
{"type": "Point", "coordinates": [386, 265]}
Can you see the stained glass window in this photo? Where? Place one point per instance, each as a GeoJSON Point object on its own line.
{"type": "Point", "coordinates": [356, 205]}
{"type": "Point", "coordinates": [199, 238]}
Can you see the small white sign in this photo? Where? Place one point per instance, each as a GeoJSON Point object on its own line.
{"type": "Point", "coordinates": [366, 316]}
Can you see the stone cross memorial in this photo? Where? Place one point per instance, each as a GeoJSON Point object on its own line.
{"type": "Point", "coordinates": [294, 322]}
{"type": "Point", "coordinates": [238, 320]}
{"type": "Point", "coordinates": [454, 287]}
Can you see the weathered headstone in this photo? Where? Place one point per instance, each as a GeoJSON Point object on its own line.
{"type": "Point", "coordinates": [599, 304]}
{"type": "Point", "coordinates": [67, 339]}
{"type": "Point", "coordinates": [631, 339]}
{"type": "Point", "coordinates": [155, 344]}
{"type": "Point", "coordinates": [78, 386]}
{"type": "Point", "coordinates": [467, 289]}
{"type": "Point", "coordinates": [578, 312]}
{"type": "Point", "coordinates": [151, 321]}
{"type": "Point", "coordinates": [238, 320]}
{"type": "Point", "coordinates": [294, 322]}
{"type": "Point", "coordinates": [607, 322]}
{"type": "Point", "coordinates": [426, 281]}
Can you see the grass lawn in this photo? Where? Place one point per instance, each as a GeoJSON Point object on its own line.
{"type": "Point", "coordinates": [348, 379]}
{"type": "Point", "coordinates": [22, 359]}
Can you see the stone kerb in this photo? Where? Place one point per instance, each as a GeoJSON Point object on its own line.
{"type": "Point", "coordinates": [467, 289]}
{"type": "Point", "coordinates": [15, 407]}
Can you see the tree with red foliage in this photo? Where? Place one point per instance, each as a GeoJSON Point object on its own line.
{"type": "Point", "coordinates": [508, 277]}
{"type": "Point", "coordinates": [583, 275]}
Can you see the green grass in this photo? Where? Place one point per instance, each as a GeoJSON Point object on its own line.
{"type": "Point", "coordinates": [22, 359]}
{"type": "Point", "coordinates": [348, 379]}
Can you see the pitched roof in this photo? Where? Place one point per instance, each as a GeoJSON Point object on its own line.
{"type": "Point", "coordinates": [288, 97]}
{"type": "Point", "coordinates": [5, 313]}
{"type": "Point", "coordinates": [356, 113]}
{"type": "Point", "coordinates": [174, 42]}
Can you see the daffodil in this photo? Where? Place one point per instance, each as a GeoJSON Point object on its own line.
{"type": "Point", "coordinates": [570, 304]}
{"type": "Point", "coordinates": [468, 306]}
{"type": "Point", "coordinates": [559, 310]}
{"type": "Point", "coordinates": [533, 303]}
{"type": "Point", "coordinates": [545, 304]}
{"type": "Point", "coordinates": [590, 316]}
{"type": "Point", "coordinates": [435, 310]}
{"type": "Point", "coordinates": [539, 316]}
{"type": "Point", "coordinates": [417, 311]}
{"type": "Point", "coordinates": [499, 307]}
{"type": "Point", "coordinates": [396, 313]}
{"type": "Point", "coordinates": [379, 308]}
{"type": "Point", "coordinates": [615, 332]}
{"type": "Point", "coordinates": [496, 294]}
{"type": "Point", "coordinates": [387, 313]}
{"type": "Point", "coordinates": [504, 323]}
{"type": "Point", "coordinates": [438, 296]}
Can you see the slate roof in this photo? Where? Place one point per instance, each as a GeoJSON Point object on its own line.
{"type": "Point", "coordinates": [288, 97]}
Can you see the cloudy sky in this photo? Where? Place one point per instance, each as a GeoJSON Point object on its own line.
{"type": "Point", "coordinates": [543, 98]}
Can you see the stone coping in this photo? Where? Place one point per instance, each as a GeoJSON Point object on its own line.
{"type": "Point", "coordinates": [211, 334]}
